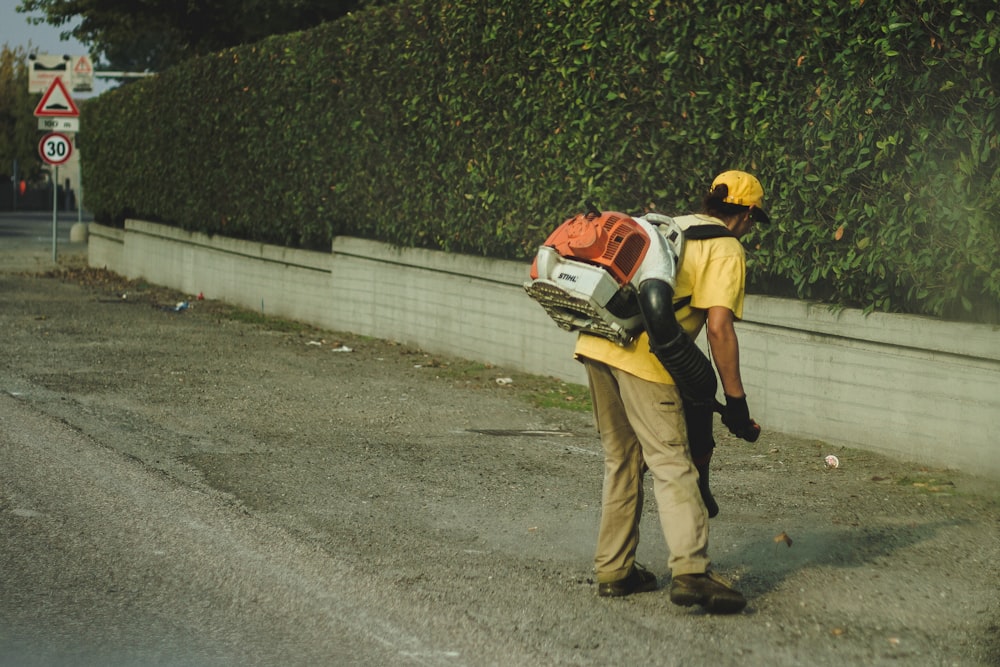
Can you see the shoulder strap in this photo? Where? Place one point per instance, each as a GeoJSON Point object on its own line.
{"type": "Point", "coordinates": [699, 232]}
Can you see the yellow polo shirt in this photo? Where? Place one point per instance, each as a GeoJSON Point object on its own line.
{"type": "Point", "coordinates": [713, 272]}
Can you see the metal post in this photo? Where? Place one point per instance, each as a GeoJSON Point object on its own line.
{"type": "Point", "coordinates": [79, 186]}
{"type": "Point", "coordinates": [55, 210]}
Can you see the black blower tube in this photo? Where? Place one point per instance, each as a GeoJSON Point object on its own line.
{"type": "Point", "coordinates": [686, 363]}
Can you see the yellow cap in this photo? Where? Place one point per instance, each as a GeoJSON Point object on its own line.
{"type": "Point", "coordinates": [744, 190]}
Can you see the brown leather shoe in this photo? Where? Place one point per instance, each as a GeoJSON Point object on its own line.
{"type": "Point", "coordinates": [710, 590]}
{"type": "Point", "coordinates": [639, 580]}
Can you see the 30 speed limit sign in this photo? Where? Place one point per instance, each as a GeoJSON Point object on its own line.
{"type": "Point", "coordinates": [55, 148]}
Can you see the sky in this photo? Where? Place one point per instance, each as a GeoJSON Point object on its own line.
{"type": "Point", "coordinates": [15, 31]}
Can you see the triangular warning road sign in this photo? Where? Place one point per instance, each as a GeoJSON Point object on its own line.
{"type": "Point", "coordinates": [56, 102]}
{"type": "Point", "coordinates": [83, 66]}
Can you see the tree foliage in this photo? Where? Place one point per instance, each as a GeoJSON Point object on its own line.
{"type": "Point", "coordinates": [476, 127]}
{"type": "Point", "coordinates": [152, 35]}
{"type": "Point", "coordinates": [18, 133]}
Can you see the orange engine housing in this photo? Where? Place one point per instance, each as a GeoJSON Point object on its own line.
{"type": "Point", "coordinates": [611, 240]}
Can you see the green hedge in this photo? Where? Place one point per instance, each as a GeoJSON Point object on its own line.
{"type": "Point", "coordinates": [476, 127]}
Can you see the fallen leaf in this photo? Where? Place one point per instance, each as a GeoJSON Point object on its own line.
{"type": "Point", "coordinates": [783, 537]}
{"type": "Point", "coordinates": [839, 234]}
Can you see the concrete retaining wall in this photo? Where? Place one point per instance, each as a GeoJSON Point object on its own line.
{"type": "Point", "coordinates": [910, 387]}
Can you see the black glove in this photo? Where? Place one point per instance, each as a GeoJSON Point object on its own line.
{"type": "Point", "coordinates": [736, 417]}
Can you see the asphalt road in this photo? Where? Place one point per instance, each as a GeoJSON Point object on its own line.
{"type": "Point", "coordinates": [27, 239]}
{"type": "Point", "coordinates": [106, 562]}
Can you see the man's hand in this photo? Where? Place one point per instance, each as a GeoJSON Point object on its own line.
{"type": "Point", "coordinates": [736, 417]}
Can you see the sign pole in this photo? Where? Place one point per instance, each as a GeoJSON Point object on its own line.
{"type": "Point", "coordinates": [55, 210]}
{"type": "Point", "coordinates": [79, 194]}
{"type": "Point", "coordinates": [55, 150]}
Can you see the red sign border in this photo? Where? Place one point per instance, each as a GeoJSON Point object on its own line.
{"type": "Point", "coordinates": [41, 152]}
{"type": "Point", "coordinates": [72, 112]}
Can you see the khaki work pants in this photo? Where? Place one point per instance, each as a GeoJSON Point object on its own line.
{"type": "Point", "coordinates": [641, 425]}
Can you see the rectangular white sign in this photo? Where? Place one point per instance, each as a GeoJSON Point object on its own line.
{"type": "Point", "coordinates": [59, 124]}
{"type": "Point", "coordinates": [43, 67]}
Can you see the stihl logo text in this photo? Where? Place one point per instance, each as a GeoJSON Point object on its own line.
{"type": "Point", "coordinates": [567, 276]}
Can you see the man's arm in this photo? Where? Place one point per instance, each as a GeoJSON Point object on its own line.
{"type": "Point", "coordinates": [725, 350]}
